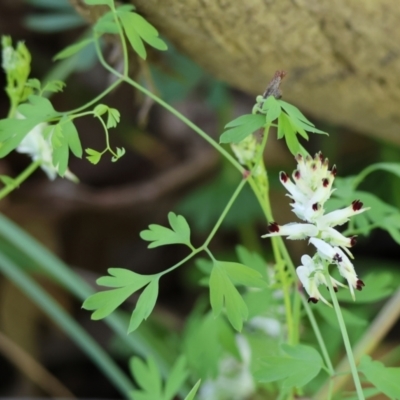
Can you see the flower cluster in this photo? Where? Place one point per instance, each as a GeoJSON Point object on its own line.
{"type": "Point", "coordinates": [312, 187]}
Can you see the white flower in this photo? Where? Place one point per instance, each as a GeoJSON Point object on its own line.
{"type": "Point", "coordinates": [234, 381]}
{"type": "Point", "coordinates": [310, 189]}
{"type": "Point", "coordinates": [39, 148]}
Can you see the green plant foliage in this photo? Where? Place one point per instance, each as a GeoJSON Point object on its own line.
{"type": "Point", "coordinates": [160, 236]}
{"type": "Point", "coordinates": [298, 366]}
{"type": "Point", "coordinates": [194, 390]}
{"type": "Point", "coordinates": [125, 283]}
{"type": "Point", "coordinates": [149, 378]}
{"type": "Point", "coordinates": [73, 49]}
{"type": "Point", "coordinates": [93, 156]}
{"type": "Point", "coordinates": [380, 285]}
{"type": "Point", "coordinates": [65, 138]}
{"type": "Point", "coordinates": [137, 30]}
{"type": "Point", "coordinates": [387, 380]}
{"type": "Point", "coordinates": [144, 305]}
{"type": "Point", "coordinates": [241, 127]}
{"type": "Point", "coordinates": [224, 276]}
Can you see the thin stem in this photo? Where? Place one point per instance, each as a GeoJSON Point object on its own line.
{"type": "Point", "coordinates": [318, 335]}
{"type": "Point", "coordinates": [223, 214]}
{"type": "Point", "coordinates": [346, 340]}
{"type": "Point", "coordinates": [96, 99]}
{"type": "Point", "coordinates": [19, 179]}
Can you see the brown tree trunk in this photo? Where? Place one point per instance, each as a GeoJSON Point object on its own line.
{"type": "Point", "coordinates": [341, 56]}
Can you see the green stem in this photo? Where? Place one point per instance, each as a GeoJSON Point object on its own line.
{"type": "Point", "coordinates": [346, 340]}
{"type": "Point", "coordinates": [29, 287]}
{"type": "Point", "coordinates": [318, 335]}
{"type": "Point", "coordinates": [19, 179]}
{"type": "Point", "coordinates": [96, 99]}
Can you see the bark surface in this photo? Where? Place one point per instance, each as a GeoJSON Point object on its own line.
{"type": "Point", "coordinates": [342, 56]}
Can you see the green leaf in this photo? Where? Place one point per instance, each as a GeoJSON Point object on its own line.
{"type": "Point", "coordinates": [126, 283]}
{"type": "Point", "coordinates": [350, 318]}
{"type": "Point", "coordinates": [38, 108]}
{"type": "Point", "coordinates": [147, 32]}
{"type": "Point", "coordinates": [12, 132]}
{"type": "Point", "coordinates": [161, 236]}
{"type": "Point", "coordinates": [104, 303]}
{"type": "Point", "coordinates": [223, 291]}
{"type": "Point", "coordinates": [273, 109]}
{"type": "Point", "coordinates": [72, 138]}
{"type": "Point", "coordinates": [176, 378]}
{"type": "Point", "coordinates": [127, 21]}
{"type": "Point", "coordinates": [380, 285]}
{"type": "Point", "coordinates": [113, 118]}
{"type": "Point", "coordinates": [54, 86]}
{"type": "Point", "coordinates": [292, 142]}
{"type": "Point", "coordinates": [252, 260]}
{"type": "Point", "coordinates": [194, 390]}
{"type": "Point", "coordinates": [387, 380]}
{"type": "Point", "coordinates": [242, 127]}
{"type": "Point", "coordinates": [293, 111]}
{"type": "Point", "coordinates": [34, 84]}
{"type": "Point", "coordinates": [145, 305]}
{"type": "Point", "coordinates": [54, 22]}
{"type": "Point", "coordinates": [99, 110]}
{"type": "Point", "coordinates": [148, 378]}
{"type": "Point", "coordinates": [93, 156]}
{"type": "Point", "coordinates": [239, 274]}
{"type": "Point", "coordinates": [59, 139]}
{"type": "Point", "coordinates": [120, 277]}
{"type": "Point", "coordinates": [296, 367]}
{"type": "Point", "coordinates": [99, 2]}
{"type": "Point", "coordinates": [73, 49]}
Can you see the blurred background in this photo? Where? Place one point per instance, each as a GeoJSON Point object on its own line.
{"type": "Point", "coordinates": [95, 224]}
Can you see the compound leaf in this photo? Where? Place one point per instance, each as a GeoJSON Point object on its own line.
{"type": "Point", "coordinates": [387, 380]}
{"type": "Point", "coordinates": [296, 367]}
{"type": "Point", "coordinates": [241, 127]}
{"type": "Point", "coordinates": [144, 305]}
{"type": "Point", "coordinates": [161, 236]}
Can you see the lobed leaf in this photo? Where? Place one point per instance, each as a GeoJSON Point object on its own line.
{"type": "Point", "coordinates": [161, 236]}
{"type": "Point", "coordinates": [93, 156]}
{"type": "Point", "coordinates": [144, 305]}
{"type": "Point", "coordinates": [242, 127]}
{"type": "Point", "coordinates": [239, 274]}
{"type": "Point", "coordinates": [296, 367]}
{"type": "Point", "coordinates": [222, 291]}
{"type": "Point", "coordinates": [125, 283]}
{"type": "Point", "coordinates": [127, 21]}
{"type": "Point", "coordinates": [387, 380]}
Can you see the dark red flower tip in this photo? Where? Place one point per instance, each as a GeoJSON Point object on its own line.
{"type": "Point", "coordinates": [334, 170]}
{"type": "Point", "coordinates": [298, 157]}
{"type": "Point", "coordinates": [357, 205]}
{"type": "Point", "coordinates": [337, 258]}
{"type": "Point", "coordinates": [284, 177]}
{"type": "Point", "coordinates": [315, 207]}
{"type": "Point", "coordinates": [325, 182]}
{"type": "Point", "coordinates": [297, 174]}
{"type": "Point", "coordinates": [353, 241]}
{"type": "Point", "coordinates": [312, 300]}
{"type": "Point", "coordinates": [273, 227]}
{"type": "Point", "coordinates": [359, 284]}
{"type": "Point", "coordinates": [319, 156]}
{"type": "Point", "coordinates": [313, 166]}
{"type": "Point", "coordinates": [246, 174]}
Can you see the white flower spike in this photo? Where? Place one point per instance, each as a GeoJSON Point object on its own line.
{"type": "Point", "coordinates": [310, 189]}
